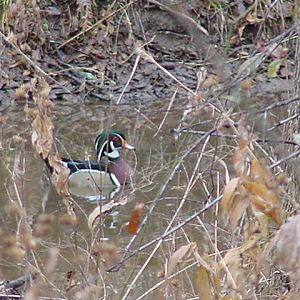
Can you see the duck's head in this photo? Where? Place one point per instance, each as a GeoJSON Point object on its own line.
{"type": "Point", "coordinates": [108, 144]}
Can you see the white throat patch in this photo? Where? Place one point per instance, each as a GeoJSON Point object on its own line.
{"type": "Point", "coordinates": [114, 154]}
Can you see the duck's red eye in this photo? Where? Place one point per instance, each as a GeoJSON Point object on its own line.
{"type": "Point", "coordinates": [115, 138]}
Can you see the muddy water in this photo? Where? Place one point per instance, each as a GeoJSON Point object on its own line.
{"type": "Point", "coordinates": [76, 126]}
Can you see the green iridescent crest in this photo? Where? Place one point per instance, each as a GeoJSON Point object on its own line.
{"type": "Point", "coordinates": [108, 142]}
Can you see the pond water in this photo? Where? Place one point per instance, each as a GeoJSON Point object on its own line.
{"type": "Point", "coordinates": [76, 126]}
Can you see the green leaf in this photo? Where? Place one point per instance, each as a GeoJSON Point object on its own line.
{"type": "Point", "coordinates": [274, 67]}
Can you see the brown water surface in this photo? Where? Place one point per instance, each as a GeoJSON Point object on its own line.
{"type": "Point", "coordinates": [76, 126]}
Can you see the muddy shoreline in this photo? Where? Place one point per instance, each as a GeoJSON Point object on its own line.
{"type": "Point", "coordinates": [99, 64]}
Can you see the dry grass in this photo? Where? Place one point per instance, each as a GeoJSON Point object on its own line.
{"type": "Point", "coordinates": [213, 212]}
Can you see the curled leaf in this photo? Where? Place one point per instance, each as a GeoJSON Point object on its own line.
{"type": "Point", "coordinates": [183, 253]}
{"type": "Point", "coordinates": [101, 211]}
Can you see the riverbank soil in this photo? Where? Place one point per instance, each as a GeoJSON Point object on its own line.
{"type": "Point", "coordinates": [207, 92]}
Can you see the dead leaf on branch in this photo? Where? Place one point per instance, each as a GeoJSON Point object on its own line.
{"type": "Point", "coordinates": [42, 135]}
{"type": "Point", "coordinates": [207, 281]}
{"type": "Point", "coordinates": [228, 196]}
{"type": "Point", "coordinates": [263, 189]}
{"type": "Point", "coordinates": [254, 184]}
{"type": "Point", "coordinates": [242, 152]}
{"type": "Point", "coordinates": [183, 253]}
{"type": "Point", "coordinates": [238, 209]}
{"type": "Point", "coordinates": [259, 172]}
{"type": "Point", "coordinates": [202, 283]}
{"type": "Point", "coordinates": [60, 175]}
{"type": "Point", "coordinates": [42, 139]}
{"type": "Point", "coordinates": [264, 200]}
{"type": "Point", "coordinates": [234, 203]}
{"type": "Point", "coordinates": [135, 218]}
{"type": "Point", "coordinates": [232, 264]}
{"type": "Point", "coordinates": [102, 210]}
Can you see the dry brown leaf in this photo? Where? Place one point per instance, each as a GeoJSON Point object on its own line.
{"type": "Point", "coordinates": [179, 255]}
{"type": "Point", "coordinates": [236, 39]}
{"type": "Point", "coordinates": [231, 255]}
{"type": "Point", "coordinates": [101, 211]}
{"type": "Point", "coordinates": [21, 92]}
{"type": "Point", "coordinates": [234, 253]}
{"type": "Point", "coordinates": [265, 199]}
{"type": "Point", "coordinates": [240, 156]}
{"type": "Point", "coordinates": [211, 81]}
{"type": "Point", "coordinates": [239, 206]}
{"type": "Point", "coordinates": [260, 172]}
{"type": "Point", "coordinates": [203, 262]}
{"type": "Point", "coordinates": [42, 139]}
{"type": "Point", "coordinates": [244, 138]}
{"type": "Point", "coordinates": [245, 85]}
{"type": "Point", "coordinates": [42, 135]}
{"type": "Point", "coordinates": [252, 18]}
{"type": "Point", "coordinates": [235, 272]}
{"type": "Point", "coordinates": [239, 160]}
{"type": "Point", "coordinates": [60, 175]}
{"type": "Point", "coordinates": [202, 283]}
{"type": "Point", "coordinates": [135, 218]}
{"type": "Point", "coordinates": [228, 195]}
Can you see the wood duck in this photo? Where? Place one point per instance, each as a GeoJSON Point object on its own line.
{"type": "Point", "coordinates": [96, 177]}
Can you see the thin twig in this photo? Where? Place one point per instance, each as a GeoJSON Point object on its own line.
{"type": "Point", "coordinates": [130, 77]}
{"type": "Point", "coordinates": [292, 155]}
{"type": "Point", "coordinates": [32, 63]}
{"type": "Point", "coordinates": [282, 122]}
{"type": "Point", "coordinates": [163, 236]}
{"type": "Point", "coordinates": [96, 24]}
{"type": "Point", "coordinates": [166, 114]}
{"type": "Point", "coordinates": [181, 16]}
{"type": "Point", "coordinates": [182, 202]}
{"type": "Point", "coordinates": [150, 59]}
{"type": "Point", "coordinates": [278, 104]}
{"type": "Point", "coordinates": [158, 196]}
{"type": "Point", "coordinates": [232, 136]}
{"type": "Point", "coordinates": [157, 285]}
